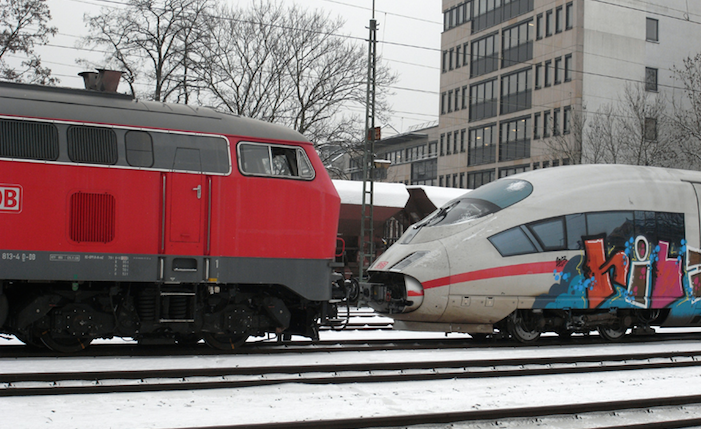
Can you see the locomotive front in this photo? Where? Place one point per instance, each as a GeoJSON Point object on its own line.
{"type": "Point", "coordinates": [413, 276]}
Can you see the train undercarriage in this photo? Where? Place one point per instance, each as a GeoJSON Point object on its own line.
{"type": "Point", "coordinates": [67, 316]}
{"type": "Point", "coordinates": [612, 324]}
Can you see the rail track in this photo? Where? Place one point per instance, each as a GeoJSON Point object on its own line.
{"type": "Point", "coordinates": [651, 413]}
{"type": "Point", "coordinates": [70, 383]}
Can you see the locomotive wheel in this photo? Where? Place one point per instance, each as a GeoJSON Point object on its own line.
{"type": "Point", "coordinates": [613, 333]}
{"type": "Point", "coordinates": [31, 340]}
{"type": "Point", "coordinates": [65, 345]}
{"type": "Point", "coordinates": [223, 341]}
{"type": "Point", "coordinates": [523, 327]}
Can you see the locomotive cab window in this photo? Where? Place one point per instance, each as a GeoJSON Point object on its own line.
{"type": "Point", "coordinates": [257, 159]}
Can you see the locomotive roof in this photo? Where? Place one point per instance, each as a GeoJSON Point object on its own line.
{"type": "Point", "coordinates": [82, 105]}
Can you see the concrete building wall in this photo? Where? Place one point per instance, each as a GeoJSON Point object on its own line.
{"type": "Point", "coordinates": [605, 46]}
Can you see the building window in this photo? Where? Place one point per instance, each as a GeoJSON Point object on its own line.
{"type": "Point", "coordinates": [546, 126]}
{"type": "Point", "coordinates": [456, 133]}
{"type": "Point", "coordinates": [442, 145]}
{"type": "Point", "coordinates": [558, 20]}
{"type": "Point", "coordinates": [568, 67]}
{"type": "Point", "coordinates": [462, 140]}
{"type": "Point", "coordinates": [538, 75]}
{"type": "Point", "coordinates": [536, 126]}
{"type": "Point", "coordinates": [451, 58]}
{"type": "Point", "coordinates": [479, 178]}
{"type": "Point", "coordinates": [464, 97]}
{"type": "Point", "coordinates": [483, 100]}
{"type": "Point", "coordinates": [458, 57]}
{"type": "Point", "coordinates": [504, 172]}
{"type": "Point", "coordinates": [516, 91]}
{"type": "Point", "coordinates": [447, 143]}
{"type": "Point", "coordinates": [569, 16]}
{"type": "Point", "coordinates": [515, 142]}
{"type": "Point", "coordinates": [548, 23]}
{"type": "Point", "coordinates": [443, 98]}
{"type": "Point", "coordinates": [556, 122]}
{"type": "Point", "coordinates": [484, 55]}
{"type": "Point", "coordinates": [432, 149]}
{"type": "Point", "coordinates": [465, 53]}
{"type": "Point", "coordinates": [548, 66]}
{"type": "Point", "coordinates": [482, 142]}
{"type": "Point", "coordinates": [424, 170]}
{"type": "Point", "coordinates": [566, 120]}
{"type": "Point", "coordinates": [650, 79]}
{"type": "Point", "coordinates": [558, 71]}
{"type": "Point", "coordinates": [517, 44]}
{"type": "Point", "coordinates": [457, 99]}
{"type": "Point", "coordinates": [650, 129]}
{"type": "Point", "coordinates": [652, 30]}
{"type": "Point", "coordinates": [445, 61]}
{"type": "Point", "coordinates": [450, 101]}
{"type": "Point", "coordinates": [539, 26]}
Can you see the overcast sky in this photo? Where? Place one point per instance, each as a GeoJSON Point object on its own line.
{"type": "Point", "coordinates": [409, 36]}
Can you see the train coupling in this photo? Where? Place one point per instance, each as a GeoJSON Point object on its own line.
{"type": "Point", "coordinates": [392, 293]}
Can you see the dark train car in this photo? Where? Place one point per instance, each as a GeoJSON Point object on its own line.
{"type": "Point", "coordinates": [161, 222]}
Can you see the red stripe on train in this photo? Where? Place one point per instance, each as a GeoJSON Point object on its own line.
{"type": "Point", "coordinates": [492, 273]}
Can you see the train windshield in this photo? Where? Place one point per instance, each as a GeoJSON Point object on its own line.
{"type": "Point", "coordinates": [482, 201]}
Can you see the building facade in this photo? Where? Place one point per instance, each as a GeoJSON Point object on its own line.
{"type": "Point", "coordinates": [413, 157]}
{"type": "Point", "coordinates": [516, 76]}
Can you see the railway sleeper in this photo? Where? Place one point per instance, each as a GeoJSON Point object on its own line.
{"type": "Point", "coordinates": [67, 317]}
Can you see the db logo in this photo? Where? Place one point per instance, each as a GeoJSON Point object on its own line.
{"type": "Point", "coordinates": [10, 198]}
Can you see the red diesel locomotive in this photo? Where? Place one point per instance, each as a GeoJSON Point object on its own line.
{"type": "Point", "coordinates": [160, 222]}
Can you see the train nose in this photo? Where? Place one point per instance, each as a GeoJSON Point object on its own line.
{"type": "Point", "coordinates": [392, 293]}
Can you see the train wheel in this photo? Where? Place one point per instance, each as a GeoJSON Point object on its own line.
{"type": "Point", "coordinates": [523, 327]}
{"type": "Point", "coordinates": [613, 333]}
{"type": "Point", "coordinates": [223, 341]}
{"type": "Point", "coordinates": [65, 345]}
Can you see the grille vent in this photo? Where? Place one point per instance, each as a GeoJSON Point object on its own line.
{"type": "Point", "coordinates": [92, 145]}
{"type": "Point", "coordinates": [92, 217]}
{"type": "Point", "coordinates": [28, 140]}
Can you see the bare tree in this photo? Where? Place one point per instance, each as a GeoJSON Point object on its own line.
{"type": "Point", "coordinates": [290, 66]}
{"type": "Point", "coordinates": [569, 145]}
{"type": "Point", "coordinates": [24, 25]}
{"type": "Point", "coordinates": [636, 130]}
{"type": "Point", "coordinates": [243, 67]}
{"type": "Point", "coordinates": [643, 128]}
{"type": "Point", "coordinates": [153, 38]}
{"type": "Point", "coordinates": [686, 117]}
{"type": "Point", "coordinates": [601, 145]}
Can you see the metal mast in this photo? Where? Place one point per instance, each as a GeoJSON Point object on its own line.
{"type": "Point", "coordinates": [367, 244]}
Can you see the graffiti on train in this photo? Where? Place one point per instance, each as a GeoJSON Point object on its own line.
{"type": "Point", "coordinates": [643, 274]}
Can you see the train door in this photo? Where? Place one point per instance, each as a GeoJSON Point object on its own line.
{"type": "Point", "coordinates": [186, 204]}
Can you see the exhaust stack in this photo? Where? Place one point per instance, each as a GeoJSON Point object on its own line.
{"type": "Point", "coordinates": [102, 80]}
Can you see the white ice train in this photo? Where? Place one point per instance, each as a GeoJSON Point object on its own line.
{"type": "Point", "coordinates": [567, 249]}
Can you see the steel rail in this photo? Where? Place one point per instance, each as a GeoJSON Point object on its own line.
{"type": "Point", "coordinates": [493, 414]}
{"type": "Point", "coordinates": [237, 377]}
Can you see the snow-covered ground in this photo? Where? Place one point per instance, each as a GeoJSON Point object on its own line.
{"type": "Point", "coordinates": [296, 402]}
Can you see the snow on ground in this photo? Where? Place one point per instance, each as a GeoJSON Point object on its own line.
{"type": "Point", "coordinates": [296, 402]}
